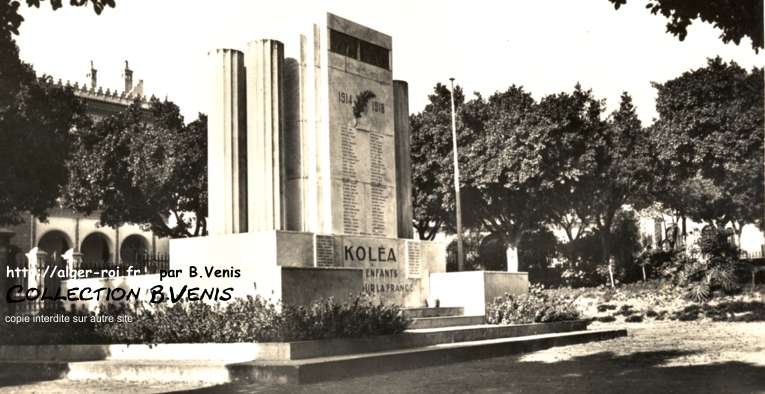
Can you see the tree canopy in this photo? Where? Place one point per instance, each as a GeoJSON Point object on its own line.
{"type": "Point", "coordinates": [36, 120]}
{"type": "Point", "coordinates": [736, 18]}
{"type": "Point", "coordinates": [431, 150]}
{"type": "Point", "coordinates": [143, 166]}
{"type": "Point", "coordinates": [709, 141]}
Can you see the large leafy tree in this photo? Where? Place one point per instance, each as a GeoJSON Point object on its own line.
{"type": "Point", "coordinates": [36, 120]}
{"type": "Point", "coordinates": [622, 171]}
{"type": "Point", "coordinates": [564, 154]}
{"type": "Point", "coordinates": [143, 166]}
{"type": "Point", "coordinates": [736, 18]}
{"type": "Point", "coordinates": [501, 184]}
{"type": "Point", "coordinates": [709, 139]}
{"type": "Point", "coordinates": [432, 164]}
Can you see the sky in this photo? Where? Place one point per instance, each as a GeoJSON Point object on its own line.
{"type": "Point", "coordinates": [546, 46]}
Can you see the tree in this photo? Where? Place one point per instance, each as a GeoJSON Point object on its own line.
{"type": "Point", "coordinates": [36, 117]}
{"type": "Point", "coordinates": [570, 123]}
{"type": "Point", "coordinates": [143, 166]}
{"type": "Point", "coordinates": [622, 171]}
{"type": "Point", "coordinates": [431, 162]}
{"type": "Point", "coordinates": [736, 18]}
{"type": "Point", "coordinates": [501, 184]}
{"type": "Point", "coordinates": [709, 141]}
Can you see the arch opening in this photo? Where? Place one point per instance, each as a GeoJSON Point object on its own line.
{"type": "Point", "coordinates": [95, 250]}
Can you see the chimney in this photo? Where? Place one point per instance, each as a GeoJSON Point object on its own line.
{"type": "Point", "coordinates": [128, 75]}
{"type": "Point", "coordinates": [93, 76]}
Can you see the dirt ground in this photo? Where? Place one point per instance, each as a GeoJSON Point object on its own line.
{"type": "Point", "coordinates": [656, 357]}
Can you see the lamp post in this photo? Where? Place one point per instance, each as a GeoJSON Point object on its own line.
{"type": "Point", "coordinates": [460, 254]}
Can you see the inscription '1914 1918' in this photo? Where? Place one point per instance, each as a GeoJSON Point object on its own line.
{"type": "Point", "coordinates": [347, 98]}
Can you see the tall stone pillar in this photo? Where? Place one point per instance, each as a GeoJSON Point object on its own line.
{"type": "Point", "coordinates": [265, 135]}
{"type": "Point", "coordinates": [226, 144]}
{"type": "Point", "coordinates": [403, 159]}
{"type": "Point", "coordinates": [295, 147]}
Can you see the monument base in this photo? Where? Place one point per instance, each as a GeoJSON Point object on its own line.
{"type": "Point", "coordinates": [298, 267]}
{"type": "Point", "coordinates": [474, 290]}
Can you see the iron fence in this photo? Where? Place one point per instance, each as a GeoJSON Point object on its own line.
{"type": "Point", "coordinates": [143, 264]}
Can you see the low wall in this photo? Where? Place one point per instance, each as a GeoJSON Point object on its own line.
{"type": "Point", "coordinates": [474, 290]}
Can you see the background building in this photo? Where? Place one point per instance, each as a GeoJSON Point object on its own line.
{"type": "Point", "coordinates": [65, 229]}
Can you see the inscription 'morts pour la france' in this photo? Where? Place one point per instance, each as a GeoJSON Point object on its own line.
{"type": "Point", "coordinates": [369, 254]}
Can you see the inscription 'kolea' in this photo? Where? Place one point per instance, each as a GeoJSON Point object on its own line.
{"type": "Point", "coordinates": [368, 253]}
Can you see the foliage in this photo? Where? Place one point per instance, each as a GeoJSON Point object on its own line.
{"type": "Point", "coordinates": [536, 306]}
{"type": "Point", "coordinates": [736, 18]}
{"type": "Point", "coordinates": [361, 102]}
{"type": "Point", "coordinates": [713, 270]}
{"type": "Point", "coordinates": [471, 242]}
{"type": "Point", "coordinates": [243, 320]}
{"type": "Point", "coordinates": [582, 259]}
{"type": "Point", "coordinates": [536, 253]}
{"type": "Point", "coordinates": [432, 169]}
{"type": "Point", "coordinates": [622, 173]}
{"type": "Point", "coordinates": [36, 120]}
{"type": "Point", "coordinates": [143, 166]}
{"type": "Point", "coordinates": [10, 19]}
{"type": "Point", "coordinates": [500, 187]}
{"type": "Point", "coordinates": [709, 144]}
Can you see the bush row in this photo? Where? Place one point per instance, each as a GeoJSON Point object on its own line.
{"type": "Point", "coordinates": [536, 306]}
{"type": "Point", "coordinates": [244, 320]}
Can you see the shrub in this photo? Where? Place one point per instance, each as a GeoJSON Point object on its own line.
{"type": "Point", "coordinates": [243, 320]}
{"type": "Point", "coordinates": [712, 270]}
{"type": "Point", "coordinates": [634, 319]}
{"type": "Point", "coordinates": [605, 307]}
{"type": "Point", "coordinates": [536, 306]}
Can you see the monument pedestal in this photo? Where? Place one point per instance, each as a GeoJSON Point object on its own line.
{"type": "Point", "coordinates": [474, 290]}
{"type": "Point", "coordinates": [298, 267]}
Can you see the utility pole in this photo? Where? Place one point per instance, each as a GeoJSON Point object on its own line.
{"type": "Point", "coordinates": [460, 251]}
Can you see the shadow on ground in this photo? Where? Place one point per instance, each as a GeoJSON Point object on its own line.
{"type": "Point", "coordinates": [20, 374]}
{"type": "Point", "coordinates": [603, 372]}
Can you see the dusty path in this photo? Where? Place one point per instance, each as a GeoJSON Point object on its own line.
{"type": "Point", "coordinates": [662, 357]}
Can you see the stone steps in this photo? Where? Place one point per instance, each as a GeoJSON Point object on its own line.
{"type": "Point", "coordinates": [445, 321]}
{"type": "Point", "coordinates": [343, 367]}
{"type": "Point", "coordinates": [307, 370]}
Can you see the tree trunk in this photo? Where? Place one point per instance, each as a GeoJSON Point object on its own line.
{"type": "Point", "coordinates": [605, 243]}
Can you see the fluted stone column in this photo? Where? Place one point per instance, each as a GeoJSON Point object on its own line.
{"type": "Point", "coordinates": [265, 135]}
{"type": "Point", "coordinates": [403, 159]}
{"type": "Point", "coordinates": [226, 144]}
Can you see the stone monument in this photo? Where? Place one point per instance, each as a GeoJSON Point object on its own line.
{"type": "Point", "coordinates": [309, 172]}
{"type": "Point", "coordinates": [310, 180]}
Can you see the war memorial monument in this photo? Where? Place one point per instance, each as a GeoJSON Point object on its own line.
{"type": "Point", "coordinates": [310, 180]}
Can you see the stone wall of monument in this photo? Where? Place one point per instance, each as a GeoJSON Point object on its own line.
{"type": "Point", "coordinates": [362, 155]}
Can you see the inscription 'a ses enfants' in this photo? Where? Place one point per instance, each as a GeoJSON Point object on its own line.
{"type": "Point", "coordinates": [348, 98]}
